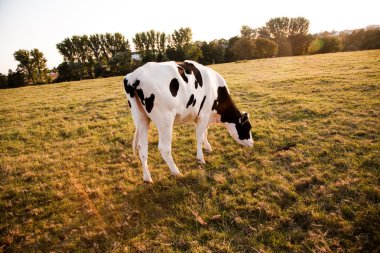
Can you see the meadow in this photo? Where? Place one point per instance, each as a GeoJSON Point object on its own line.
{"type": "Point", "coordinates": [69, 181]}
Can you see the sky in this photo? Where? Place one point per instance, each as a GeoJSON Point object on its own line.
{"type": "Point", "coordinates": [28, 24]}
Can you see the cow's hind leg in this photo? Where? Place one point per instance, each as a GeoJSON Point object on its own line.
{"type": "Point", "coordinates": [140, 140]}
{"type": "Point", "coordinates": [142, 144]}
{"type": "Point", "coordinates": [165, 145]}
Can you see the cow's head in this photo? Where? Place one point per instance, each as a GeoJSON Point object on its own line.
{"type": "Point", "coordinates": [241, 130]}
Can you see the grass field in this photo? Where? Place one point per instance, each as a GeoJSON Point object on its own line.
{"type": "Point", "coordinates": [69, 181]}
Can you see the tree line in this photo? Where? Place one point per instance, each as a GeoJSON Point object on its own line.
{"type": "Point", "coordinates": [103, 55]}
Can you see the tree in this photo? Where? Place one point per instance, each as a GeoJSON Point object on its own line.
{"type": "Point", "coordinates": [39, 65]}
{"type": "Point", "coordinates": [299, 26]}
{"type": "Point", "coordinates": [300, 43]}
{"type": "Point", "coordinates": [181, 37]}
{"type": "Point", "coordinates": [290, 34]}
{"type": "Point", "coordinates": [213, 52]}
{"type": "Point", "coordinates": [244, 49]}
{"type": "Point", "coordinates": [325, 44]}
{"type": "Point", "coordinates": [94, 43]}
{"type": "Point", "coordinates": [247, 32]}
{"type": "Point", "coordinates": [265, 48]}
{"type": "Point", "coordinates": [180, 46]}
{"type": "Point", "coordinates": [263, 32]}
{"type": "Point", "coordinates": [17, 79]}
{"type": "Point", "coordinates": [361, 40]}
{"type": "Point", "coordinates": [151, 45]}
{"type": "Point", "coordinates": [279, 27]}
{"type": "Point", "coordinates": [33, 64]}
{"type": "Point", "coordinates": [371, 40]}
{"type": "Point", "coordinates": [93, 56]}
{"type": "Point", "coordinates": [25, 64]}
{"type": "Point", "coordinates": [68, 48]}
{"type": "Point", "coordinates": [3, 81]}
{"type": "Point", "coordinates": [230, 55]}
{"type": "Point", "coordinates": [67, 71]}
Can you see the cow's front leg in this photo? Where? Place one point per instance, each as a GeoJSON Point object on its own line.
{"type": "Point", "coordinates": [200, 132]}
{"type": "Point", "coordinates": [206, 144]}
{"type": "Point", "coordinates": [165, 147]}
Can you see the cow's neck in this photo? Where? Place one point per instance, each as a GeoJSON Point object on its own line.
{"type": "Point", "coordinates": [225, 107]}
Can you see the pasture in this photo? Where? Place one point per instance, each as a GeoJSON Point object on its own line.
{"type": "Point", "coordinates": [69, 181]}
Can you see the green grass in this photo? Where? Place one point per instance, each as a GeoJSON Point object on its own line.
{"type": "Point", "coordinates": [69, 181]}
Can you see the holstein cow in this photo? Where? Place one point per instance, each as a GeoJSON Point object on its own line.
{"type": "Point", "coordinates": [177, 92]}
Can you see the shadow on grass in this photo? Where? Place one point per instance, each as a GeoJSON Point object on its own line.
{"type": "Point", "coordinates": [166, 202]}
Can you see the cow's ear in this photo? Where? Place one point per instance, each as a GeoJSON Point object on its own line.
{"type": "Point", "coordinates": [244, 118]}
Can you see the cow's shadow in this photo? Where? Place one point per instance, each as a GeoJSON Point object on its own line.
{"type": "Point", "coordinates": [166, 200]}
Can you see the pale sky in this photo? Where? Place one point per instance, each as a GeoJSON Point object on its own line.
{"type": "Point", "coordinates": [28, 24]}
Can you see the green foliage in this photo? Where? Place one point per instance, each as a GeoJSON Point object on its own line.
{"type": "Point", "coordinates": [181, 37]}
{"type": "Point", "coordinates": [3, 81]}
{"type": "Point", "coordinates": [247, 32]}
{"type": "Point", "coordinates": [291, 34]}
{"type": "Point", "coordinates": [33, 65]}
{"type": "Point", "coordinates": [213, 52]}
{"type": "Point", "coordinates": [95, 55]}
{"type": "Point", "coordinates": [180, 46]}
{"type": "Point", "coordinates": [300, 43]}
{"type": "Point", "coordinates": [39, 65]}
{"type": "Point", "coordinates": [25, 64]}
{"type": "Point", "coordinates": [265, 48]}
{"type": "Point", "coordinates": [325, 44]}
{"type": "Point", "coordinates": [17, 79]}
{"type": "Point", "coordinates": [279, 37]}
{"type": "Point", "coordinates": [151, 45]}
{"type": "Point", "coordinates": [244, 48]}
{"type": "Point", "coordinates": [229, 53]}
{"type": "Point", "coordinates": [361, 40]}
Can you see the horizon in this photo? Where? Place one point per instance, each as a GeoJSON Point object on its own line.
{"type": "Point", "coordinates": [20, 19]}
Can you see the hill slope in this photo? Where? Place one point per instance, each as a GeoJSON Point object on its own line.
{"type": "Point", "coordinates": [69, 180]}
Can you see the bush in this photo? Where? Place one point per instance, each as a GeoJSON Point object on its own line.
{"type": "Point", "coordinates": [17, 79]}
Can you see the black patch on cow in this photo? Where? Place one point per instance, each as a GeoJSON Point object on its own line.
{"type": "Point", "coordinates": [136, 83]}
{"type": "Point", "coordinates": [214, 105]}
{"type": "Point", "coordinates": [129, 103]}
{"type": "Point", "coordinates": [230, 114]}
{"type": "Point", "coordinates": [226, 107]}
{"type": "Point", "coordinates": [200, 108]}
{"type": "Point", "coordinates": [194, 102]}
{"type": "Point", "coordinates": [190, 68]}
{"type": "Point", "coordinates": [181, 71]}
{"type": "Point", "coordinates": [128, 88]}
{"type": "Point", "coordinates": [149, 103]}
{"type": "Point", "coordinates": [140, 93]}
{"type": "Point", "coordinates": [196, 84]}
{"type": "Point", "coordinates": [191, 99]}
{"type": "Point", "coordinates": [243, 130]}
{"type": "Point", "coordinates": [174, 86]}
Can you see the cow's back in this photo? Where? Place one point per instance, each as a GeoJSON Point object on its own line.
{"type": "Point", "coordinates": [175, 91]}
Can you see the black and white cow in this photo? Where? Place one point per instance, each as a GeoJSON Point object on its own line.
{"type": "Point", "coordinates": [177, 92]}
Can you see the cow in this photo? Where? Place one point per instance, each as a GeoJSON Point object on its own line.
{"type": "Point", "coordinates": [169, 93]}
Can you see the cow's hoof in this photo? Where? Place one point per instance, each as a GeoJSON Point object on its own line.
{"type": "Point", "coordinates": [148, 181]}
{"type": "Point", "coordinates": [201, 161]}
{"type": "Point", "coordinates": [179, 175]}
{"type": "Point", "coordinates": [208, 148]}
